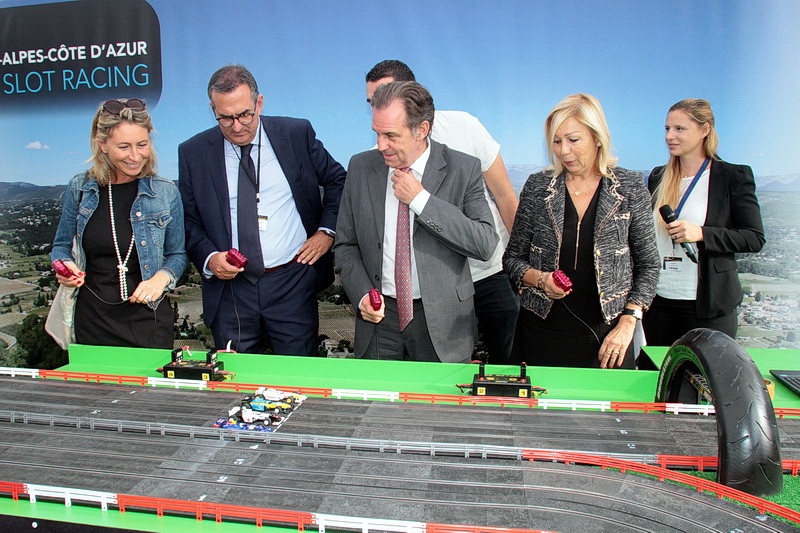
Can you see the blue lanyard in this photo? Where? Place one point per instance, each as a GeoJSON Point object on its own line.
{"type": "Point", "coordinates": [691, 186]}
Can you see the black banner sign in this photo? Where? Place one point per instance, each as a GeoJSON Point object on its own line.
{"type": "Point", "coordinates": [86, 51]}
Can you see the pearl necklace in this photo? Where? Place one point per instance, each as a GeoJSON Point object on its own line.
{"type": "Point", "coordinates": [121, 265]}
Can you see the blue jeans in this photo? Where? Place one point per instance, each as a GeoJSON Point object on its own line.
{"type": "Point", "coordinates": [497, 307]}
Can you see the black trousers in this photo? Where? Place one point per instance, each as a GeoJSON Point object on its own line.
{"type": "Point", "coordinates": [412, 344]}
{"type": "Point", "coordinates": [667, 320]}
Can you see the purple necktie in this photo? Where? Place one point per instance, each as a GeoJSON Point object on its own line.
{"type": "Point", "coordinates": [402, 265]}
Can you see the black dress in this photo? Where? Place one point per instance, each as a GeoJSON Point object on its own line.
{"type": "Point", "coordinates": [574, 328]}
{"type": "Point", "coordinates": [101, 317]}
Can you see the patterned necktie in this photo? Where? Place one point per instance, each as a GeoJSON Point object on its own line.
{"type": "Point", "coordinates": [402, 265]}
{"type": "Point", "coordinates": [247, 217]}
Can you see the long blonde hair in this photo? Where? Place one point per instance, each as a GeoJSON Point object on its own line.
{"type": "Point", "coordinates": [668, 189]}
{"type": "Point", "coordinates": [587, 110]}
{"type": "Point", "coordinates": [103, 125]}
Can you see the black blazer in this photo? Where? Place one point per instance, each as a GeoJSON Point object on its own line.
{"type": "Point", "coordinates": [733, 225]}
{"type": "Point", "coordinates": [204, 187]}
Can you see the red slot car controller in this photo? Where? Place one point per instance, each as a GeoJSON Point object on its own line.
{"type": "Point", "coordinates": [562, 281]}
{"type": "Point", "coordinates": [375, 299]}
{"type": "Point", "coordinates": [235, 258]}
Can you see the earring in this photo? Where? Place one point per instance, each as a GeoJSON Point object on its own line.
{"type": "Point", "coordinates": [598, 145]}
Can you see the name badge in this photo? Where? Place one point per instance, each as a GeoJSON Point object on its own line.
{"type": "Point", "coordinates": [672, 264]}
{"type": "Point", "coordinates": [262, 222]}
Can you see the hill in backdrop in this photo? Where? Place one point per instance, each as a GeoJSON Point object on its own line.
{"type": "Point", "coordinates": [17, 192]}
{"type": "Point", "coordinates": [518, 174]}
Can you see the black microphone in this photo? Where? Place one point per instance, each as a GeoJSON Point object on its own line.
{"type": "Point", "coordinates": [669, 217]}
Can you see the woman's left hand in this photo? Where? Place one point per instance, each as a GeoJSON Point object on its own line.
{"type": "Point", "coordinates": [683, 231]}
{"type": "Point", "coordinates": [615, 345]}
{"type": "Point", "coordinates": [151, 289]}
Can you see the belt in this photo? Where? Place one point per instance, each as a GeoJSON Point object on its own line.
{"type": "Point", "coordinates": [415, 300]}
{"type": "Point", "coordinates": [272, 269]}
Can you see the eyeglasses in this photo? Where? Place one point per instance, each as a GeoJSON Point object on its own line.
{"type": "Point", "coordinates": [115, 107]}
{"type": "Point", "coordinates": [245, 119]}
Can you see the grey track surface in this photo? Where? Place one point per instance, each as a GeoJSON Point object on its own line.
{"type": "Point", "coordinates": [420, 487]}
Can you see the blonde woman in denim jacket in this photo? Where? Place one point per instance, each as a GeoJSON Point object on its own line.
{"type": "Point", "coordinates": [123, 264]}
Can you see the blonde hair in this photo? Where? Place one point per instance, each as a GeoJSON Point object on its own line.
{"type": "Point", "coordinates": [103, 125]}
{"type": "Point", "coordinates": [587, 110]}
{"type": "Point", "coordinates": [700, 112]}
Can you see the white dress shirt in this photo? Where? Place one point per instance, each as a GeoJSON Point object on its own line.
{"type": "Point", "coordinates": [390, 227]}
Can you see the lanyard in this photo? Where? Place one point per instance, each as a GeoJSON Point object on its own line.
{"type": "Point", "coordinates": [691, 186]}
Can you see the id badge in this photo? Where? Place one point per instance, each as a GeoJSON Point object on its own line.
{"type": "Point", "coordinates": [262, 222]}
{"type": "Point", "coordinates": [672, 264]}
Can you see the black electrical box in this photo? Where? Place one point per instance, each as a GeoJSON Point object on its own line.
{"type": "Point", "coordinates": [181, 368]}
{"type": "Point", "coordinates": [502, 385]}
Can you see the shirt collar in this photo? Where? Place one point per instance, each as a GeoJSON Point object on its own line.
{"type": "Point", "coordinates": [418, 166]}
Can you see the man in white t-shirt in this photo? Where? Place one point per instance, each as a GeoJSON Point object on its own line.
{"type": "Point", "coordinates": [496, 302]}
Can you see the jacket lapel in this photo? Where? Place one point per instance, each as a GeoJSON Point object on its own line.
{"type": "Point", "coordinates": [607, 204]}
{"type": "Point", "coordinates": [554, 202]}
{"type": "Point", "coordinates": [215, 159]}
{"type": "Point", "coordinates": [291, 166]}
{"type": "Point", "coordinates": [435, 172]}
{"type": "Point", "coordinates": [376, 191]}
{"type": "Point", "coordinates": [717, 193]}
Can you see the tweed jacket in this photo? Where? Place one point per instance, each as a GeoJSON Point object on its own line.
{"type": "Point", "coordinates": [626, 259]}
{"type": "Point", "coordinates": [733, 225]}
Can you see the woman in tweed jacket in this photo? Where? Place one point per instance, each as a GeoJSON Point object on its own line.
{"type": "Point", "coordinates": [592, 220]}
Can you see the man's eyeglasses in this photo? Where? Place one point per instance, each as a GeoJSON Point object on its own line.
{"type": "Point", "coordinates": [245, 119]}
{"type": "Point", "coordinates": [115, 107]}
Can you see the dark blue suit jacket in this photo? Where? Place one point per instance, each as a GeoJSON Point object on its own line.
{"type": "Point", "coordinates": [204, 188]}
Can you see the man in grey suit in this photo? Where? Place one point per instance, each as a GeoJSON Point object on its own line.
{"type": "Point", "coordinates": [412, 212]}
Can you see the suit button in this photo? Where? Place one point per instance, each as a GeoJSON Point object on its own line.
{"type": "Point", "coordinates": [602, 294]}
{"type": "Point", "coordinates": [597, 252]}
{"type": "Point", "coordinates": [138, 213]}
{"type": "Point", "coordinates": [377, 278]}
{"type": "Point", "coordinates": [143, 243]}
{"type": "Point", "coordinates": [601, 273]}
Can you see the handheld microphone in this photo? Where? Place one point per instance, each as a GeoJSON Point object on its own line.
{"type": "Point", "coordinates": [669, 217]}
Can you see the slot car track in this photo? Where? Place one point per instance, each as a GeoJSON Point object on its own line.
{"type": "Point", "coordinates": [488, 489]}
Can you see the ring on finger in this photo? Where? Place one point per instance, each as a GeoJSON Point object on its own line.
{"type": "Point", "coordinates": [147, 299]}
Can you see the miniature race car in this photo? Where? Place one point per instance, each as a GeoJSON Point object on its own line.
{"type": "Point", "coordinates": [251, 416]}
{"type": "Point", "coordinates": [278, 402]}
{"type": "Point", "coordinates": [232, 423]}
{"type": "Point", "coordinates": [278, 395]}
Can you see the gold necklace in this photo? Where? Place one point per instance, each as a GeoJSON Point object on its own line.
{"type": "Point", "coordinates": [578, 190]}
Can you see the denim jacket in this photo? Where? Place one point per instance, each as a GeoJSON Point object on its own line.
{"type": "Point", "coordinates": [156, 218]}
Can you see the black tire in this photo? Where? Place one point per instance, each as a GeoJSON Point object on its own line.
{"type": "Point", "coordinates": [747, 434]}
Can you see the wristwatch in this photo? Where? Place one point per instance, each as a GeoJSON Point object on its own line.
{"type": "Point", "coordinates": [635, 313]}
{"type": "Point", "coordinates": [329, 233]}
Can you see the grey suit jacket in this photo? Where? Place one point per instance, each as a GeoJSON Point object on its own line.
{"type": "Point", "coordinates": [455, 224]}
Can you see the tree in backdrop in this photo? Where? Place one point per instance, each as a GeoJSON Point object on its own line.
{"type": "Point", "coordinates": [40, 349]}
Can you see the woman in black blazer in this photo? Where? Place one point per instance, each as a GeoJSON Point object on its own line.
{"type": "Point", "coordinates": [716, 211]}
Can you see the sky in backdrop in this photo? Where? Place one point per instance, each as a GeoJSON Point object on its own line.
{"type": "Point", "coordinates": [508, 62]}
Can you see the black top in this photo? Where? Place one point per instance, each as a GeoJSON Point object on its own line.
{"type": "Point", "coordinates": [576, 259]}
{"type": "Point", "coordinates": [102, 275]}
{"type": "Point", "coordinates": [101, 316]}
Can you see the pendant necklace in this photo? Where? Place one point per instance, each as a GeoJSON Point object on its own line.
{"type": "Point", "coordinates": [577, 190]}
{"type": "Point", "coordinates": [121, 265]}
